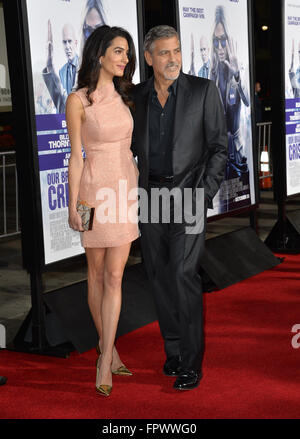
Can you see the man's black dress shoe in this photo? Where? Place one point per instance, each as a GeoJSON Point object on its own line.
{"type": "Point", "coordinates": [187, 380]}
{"type": "Point", "coordinates": [172, 366]}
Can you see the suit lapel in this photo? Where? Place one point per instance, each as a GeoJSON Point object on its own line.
{"type": "Point", "coordinates": [183, 97]}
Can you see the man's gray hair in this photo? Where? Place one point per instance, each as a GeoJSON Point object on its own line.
{"type": "Point", "coordinates": [156, 33]}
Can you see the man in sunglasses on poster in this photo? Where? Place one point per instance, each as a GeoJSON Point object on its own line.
{"type": "Point", "coordinates": [94, 16]}
{"type": "Point", "coordinates": [225, 72]}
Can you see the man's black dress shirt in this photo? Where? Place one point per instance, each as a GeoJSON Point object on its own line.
{"type": "Point", "coordinates": [161, 132]}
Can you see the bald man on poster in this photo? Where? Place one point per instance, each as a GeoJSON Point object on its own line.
{"type": "Point", "coordinates": [68, 72]}
{"type": "Point", "coordinates": [204, 71]}
{"type": "Point", "coordinates": [60, 87]}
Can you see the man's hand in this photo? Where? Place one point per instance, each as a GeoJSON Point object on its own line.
{"type": "Point", "coordinates": [49, 62]}
{"type": "Point", "coordinates": [232, 64]}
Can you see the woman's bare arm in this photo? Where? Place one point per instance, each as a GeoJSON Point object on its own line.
{"type": "Point", "coordinates": [74, 117]}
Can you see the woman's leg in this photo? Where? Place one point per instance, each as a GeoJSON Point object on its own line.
{"type": "Point", "coordinates": [114, 264]}
{"type": "Point", "coordinates": [95, 260]}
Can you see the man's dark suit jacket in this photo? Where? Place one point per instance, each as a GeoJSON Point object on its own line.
{"type": "Point", "coordinates": [199, 138]}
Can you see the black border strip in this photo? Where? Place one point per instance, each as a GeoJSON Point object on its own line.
{"type": "Point", "coordinates": [140, 4]}
{"type": "Point", "coordinates": [25, 133]}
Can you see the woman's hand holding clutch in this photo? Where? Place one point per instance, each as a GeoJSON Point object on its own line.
{"type": "Point", "coordinates": [75, 221]}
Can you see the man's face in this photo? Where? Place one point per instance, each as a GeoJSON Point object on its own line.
{"type": "Point", "coordinates": [69, 42]}
{"type": "Point", "coordinates": [204, 50]}
{"type": "Point", "coordinates": [220, 41]}
{"type": "Point", "coordinates": [165, 58]}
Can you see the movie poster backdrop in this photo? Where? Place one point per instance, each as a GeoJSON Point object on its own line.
{"type": "Point", "coordinates": [215, 45]}
{"type": "Point", "coordinates": [58, 30]}
{"type": "Point", "coordinates": [5, 93]}
{"type": "Point", "coordinates": [292, 94]}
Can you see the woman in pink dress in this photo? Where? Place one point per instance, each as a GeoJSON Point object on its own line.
{"type": "Point", "coordinates": [99, 118]}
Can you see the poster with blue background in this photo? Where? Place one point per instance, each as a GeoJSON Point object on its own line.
{"type": "Point", "coordinates": [215, 45]}
{"type": "Point", "coordinates": [58, 30]}
{"type": "Point", "coordinates": [292, 95]}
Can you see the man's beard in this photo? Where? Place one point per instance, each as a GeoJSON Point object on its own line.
{"type": "Point", "coordinates": [175, 75]}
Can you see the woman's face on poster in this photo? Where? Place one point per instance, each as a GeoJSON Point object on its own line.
{"type": "Point", "coordinates": [220, 42]}
{"type": "Point", "coordinates": [92, 21]}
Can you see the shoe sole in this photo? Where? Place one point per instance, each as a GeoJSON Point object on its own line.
{"type": "Point", "coordinates": [170, 375]}
{"type": "Point", "coordinates": [186, 389]}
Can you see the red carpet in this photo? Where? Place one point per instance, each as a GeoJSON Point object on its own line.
{"type": "Point", "coordinates": [250, 368]}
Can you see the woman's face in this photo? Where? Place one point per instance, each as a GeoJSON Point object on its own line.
{"type": "Point", "coordinates": [92, 21]}
{"type": "Point", "coordinates": [220, 42]}
{"type": "Point", "coordinates": [114, 61]}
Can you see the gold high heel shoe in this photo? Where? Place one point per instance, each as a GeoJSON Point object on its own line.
{"type": "Point", "coordinates": [121, 371]}
{"type": "Point", "coordinates": [103, 389]}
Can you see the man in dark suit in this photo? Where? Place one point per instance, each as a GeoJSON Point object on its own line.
{"type": "Point", "coordinates": [180, 141]}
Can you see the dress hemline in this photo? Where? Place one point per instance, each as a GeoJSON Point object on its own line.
{"type": "Point", "coordinates": [111, 245]}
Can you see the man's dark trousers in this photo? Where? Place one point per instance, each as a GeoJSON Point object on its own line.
{"type": "Point", "coordinates": [172, 260]}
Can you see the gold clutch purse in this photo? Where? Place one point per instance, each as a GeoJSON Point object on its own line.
{"type": "Point", "coordinates": [87, 214]}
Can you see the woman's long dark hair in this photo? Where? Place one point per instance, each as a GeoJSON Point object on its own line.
{"type": "Point", "coordinates": [95, 47]}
